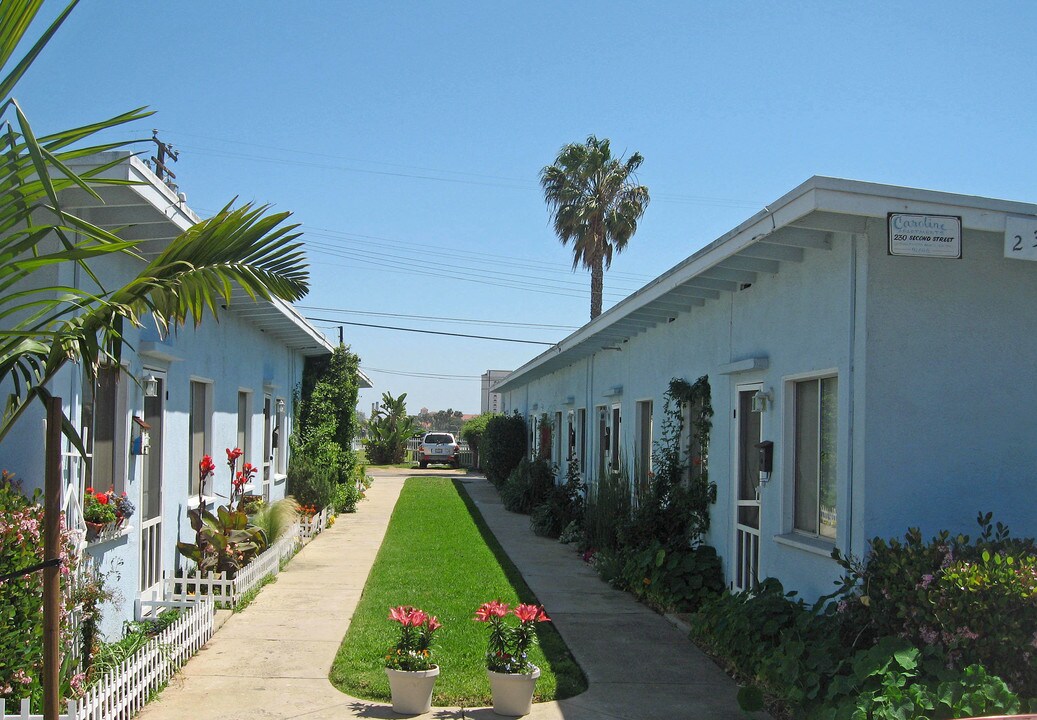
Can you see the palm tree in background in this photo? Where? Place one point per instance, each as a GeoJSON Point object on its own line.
{"type": "Point", "coordinates": [44, 327]}
{"type": "Point", "coordinates": [596, 203]}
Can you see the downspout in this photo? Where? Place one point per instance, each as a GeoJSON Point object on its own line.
{"type": "Point", "coordinates": [852, 393]}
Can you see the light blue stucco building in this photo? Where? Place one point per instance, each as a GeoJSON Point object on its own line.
{"type": "Point", "coordinates": [882, 338]}
{"type": "Point", "coordinates": [192, 391]}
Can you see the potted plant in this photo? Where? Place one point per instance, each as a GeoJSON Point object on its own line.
{"type": "Point", "coordinates": [512, 677]}
{"type": "Point", "coordinates": [98, 512]}
{"type": "Point", "coordinates": [409, 663]}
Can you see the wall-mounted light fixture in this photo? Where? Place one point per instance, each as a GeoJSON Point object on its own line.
{"type": "Point", "coordinates": [762, 399]}
{"type": "Point", "coordinates": [280, 406]}
{"type": "Point", "coordinates": [150, 384]}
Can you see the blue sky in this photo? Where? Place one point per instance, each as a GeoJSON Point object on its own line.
{"type": "Point", "coordinates": [407, 137]}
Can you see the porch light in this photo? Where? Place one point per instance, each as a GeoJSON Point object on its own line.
{"type": "Point", "coordinates": [280, 406]}
{"type": "Point", "coordinates": [150, 383]}
{"type": "Point", "coordinates": [762, 399]}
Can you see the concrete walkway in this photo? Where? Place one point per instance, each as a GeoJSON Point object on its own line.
{"type": "Point", "coordinates": [273, 659]}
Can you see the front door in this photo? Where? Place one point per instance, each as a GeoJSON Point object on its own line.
{"type": "Point", "coordinates": [150, 514]}
{"type": "Point", "coordinates": [268, 448]}
{"type": "Point", "coordinates": [747, 520]}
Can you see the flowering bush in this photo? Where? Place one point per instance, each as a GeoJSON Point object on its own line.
{"type": "Point", "coordinates": [98, 507]}
{"type": "Point", "coordinates": [21, 596]}
{"type": "Point", "coordinates": [973, 601]}
{"type": "Point", "coordinates": [508, 646]}
{"type": "Point", "coordinates": [413, 651]}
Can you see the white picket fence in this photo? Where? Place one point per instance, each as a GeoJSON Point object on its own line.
{"type": "Point", "coordinates": [226, 593]}
{"type": "Point", "coordinates": [311, 526]}
{"type": "Point", "coordinates": [23, 712]}
{"type": "Point", "coordinates": [124, 689]}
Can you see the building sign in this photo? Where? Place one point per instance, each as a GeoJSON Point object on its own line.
{"type": "Point", "coordinates": [1021, 238]}
{"type": "Point", "coordinates": [936, 236]}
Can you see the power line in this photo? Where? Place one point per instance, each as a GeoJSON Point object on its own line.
{"type": "Point", "coordinates": [500, 323]}
{"type": "Point", "coordinates": [512, 183]}
{"type": "Point", "coordinates": [429, 332]}
{"type": "Point", "coordinates": [434, 376]}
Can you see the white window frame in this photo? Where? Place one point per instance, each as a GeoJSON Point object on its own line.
{"type": "Point", "coordinates": [207, 423]}
{"type": "Point", "coordinates": [643, 455]}
{"type": "Point", "coordinates": [810, 541]}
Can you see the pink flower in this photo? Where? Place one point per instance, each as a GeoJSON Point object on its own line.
{"type": "Point", "coordinates": [434, 624]}
{"type": "Point", "coordinates": [493, 609]}
{"type": "Point", "coordinates": [400, 614]}
{"type": "Point", "coordinates": [531, 613]}
{"type": "Point", "coordinates": [417, 618]}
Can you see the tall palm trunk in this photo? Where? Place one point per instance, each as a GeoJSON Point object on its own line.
{"type": "Point", "coordinates": [597, 286]}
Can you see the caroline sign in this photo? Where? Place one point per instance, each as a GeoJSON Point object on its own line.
{"type": "Point", "coordinates": [925, 235]}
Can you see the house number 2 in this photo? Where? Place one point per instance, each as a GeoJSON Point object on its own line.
{"type": "Point", "coordinates": [1021, 238]}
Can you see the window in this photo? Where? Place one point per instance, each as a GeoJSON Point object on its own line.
{"type": "Point", "coordinates": [814, 459]}
{"type": "Point", "coordinates": [200, 422]}
{"type": "Point", "coordinates": [281, 433]}
{"type": "Point", "coordinates": [644, 439]}
{"type": "Point", "coordinates": [243, 425]}
{"type": "Point", "coordinates": [581, 423]}
{"type": "Point", "coordinates": [100, 420]}
{"type": "Point", "coordinates": [604, 440]}
{"type": "Point", "coordinates": [614, 431]}
{"type": "Point", "coordinates": [556, 439]}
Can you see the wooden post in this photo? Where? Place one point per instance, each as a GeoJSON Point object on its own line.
{"type": "Point", "coordinates": [51, 550]}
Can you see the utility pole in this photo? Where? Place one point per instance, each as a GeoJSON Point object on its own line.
{"type": "Point", "coordinates": [339, 334]}
{"type": "Point", "coordinates": [164, 150]}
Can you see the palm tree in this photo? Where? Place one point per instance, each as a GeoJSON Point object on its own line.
{"type": "Point", "coordinates": [596, 203]}
{"type": "Point", "coordinates": [45, 327]}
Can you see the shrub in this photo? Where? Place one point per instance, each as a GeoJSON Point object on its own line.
{"type": "Point", "coordinates": [670, 579]}
{"type": "Point", "coordinates": [607, 501]}
{"type": "Point", "coordinates": [797, 655]}
{"type": "Point", "coordinates": [502, 446]}
{"type": "Point", "coordinates": [21, 547]}
{"type": "Point", "coordinates": [472, 432]}
{"type": "Point", "coordinates": [973, 601]}
{"type": "Point", "coordinates": [349, 491]}
{"type": "Point", "coordinates": [563, 505]}
{"type": "Point", "coordinates": [310, 484]}
{"type": "Point", "coordinates": [528, 485]}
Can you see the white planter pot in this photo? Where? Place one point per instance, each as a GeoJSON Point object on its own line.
{"type": "Point", "coordinates": [513, 692]}
{"type": "Point", "coordinates": [412, 690]}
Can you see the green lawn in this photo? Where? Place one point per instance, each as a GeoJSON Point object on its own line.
{"type": "Point", "coordinates": [439, 556]}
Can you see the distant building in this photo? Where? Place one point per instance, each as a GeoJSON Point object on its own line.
{"type": "Point", "coordinates": [491, 401]}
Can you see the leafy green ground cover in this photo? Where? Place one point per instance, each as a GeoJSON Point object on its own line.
{"type": "Point", "coordinates": [439, 556]}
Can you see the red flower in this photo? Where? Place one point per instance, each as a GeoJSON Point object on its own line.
{"type": "Point", "coordinates": [206, 467]}
{"type": "Point", "coordinates": [102, 498]}
{"type": "Point", "coordinates": [400, 614]}
{"type": "Point", "coordinates": [531, 613]}
{"type": "Point", "coordinates": [493, 609]}
{"type": "Point", "coordinates": [89, 491]}
{"type": "Point", "coordinates": [233, 455]}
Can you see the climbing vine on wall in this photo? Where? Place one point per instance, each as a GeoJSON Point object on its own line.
{"type": "Point", "coordinates": [681, 481]}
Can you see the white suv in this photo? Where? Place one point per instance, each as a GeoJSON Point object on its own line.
{"type": "Point", "coordinates": [439, 447]}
